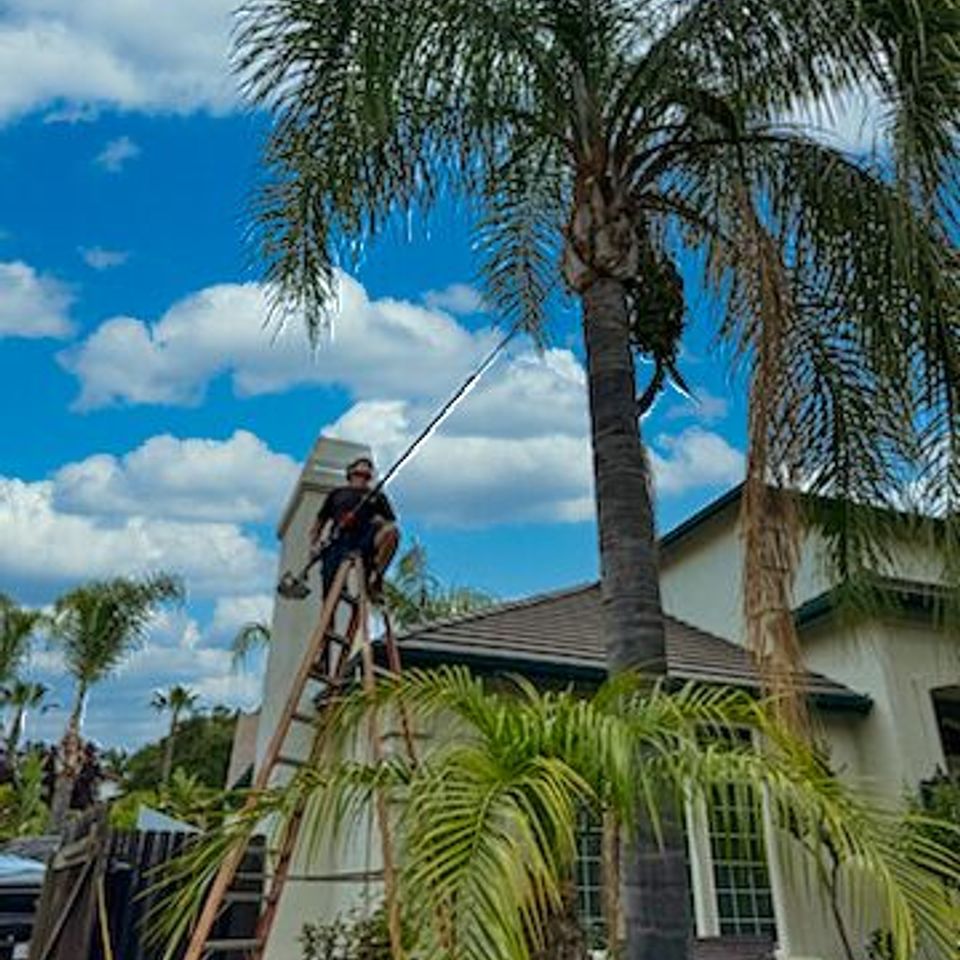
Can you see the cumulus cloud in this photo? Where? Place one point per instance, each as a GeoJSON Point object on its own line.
{"type": "Point", "coordinates": [32, 304]}
{"type": "Point", "coordinates": [382, 347]}
{"type": "Point", "coordinates": [235, 480]}
{"type": "Point", "coordinates": [43, 547]}
{"type": "Point", "coordinates": [693, 459]}
{"type": "Point", "coordinates": [129, 54]}
{"type": "Point", "coordinates": [518, 449]}
{"type": "Point", "coordinates": [99, 258]}
{"type": "Point", "coordinates": [458, 298]}
{"type": "Point", "coordinates": [231, 613]}
{"type": "Point", "coordinates": [703, 406]}
{"type": "Point", "coordinates": [116, 154]}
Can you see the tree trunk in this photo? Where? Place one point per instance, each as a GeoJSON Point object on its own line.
{"type": "Point", "coordinates": [167, 767]}
{"type": "Point", "coordinates": [563, 937]}
{"type": "Point", "coordinates": [656, 901]}
{"type": "Point", "coordinates": [16, 730]}
{"type": "Point", "coordinates": [69, 763]}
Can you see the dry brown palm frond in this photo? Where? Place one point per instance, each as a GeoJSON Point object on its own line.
{"type": "Point", "coordinates": [769, 522]}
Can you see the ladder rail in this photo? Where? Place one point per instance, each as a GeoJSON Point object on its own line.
{"type": "Point", "coordinates": [294, 824]}
{"type": "Point", "coordinates": [291, 829]}
{"type": "Point", "coordinates": [224, 876]}
{"type": "Point", "coordinates": [391, 895]}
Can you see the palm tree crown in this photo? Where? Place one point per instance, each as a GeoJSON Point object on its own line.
{"type": "Point", "coordinates": [619, 139]}
{"type": "Point", "coordinates": [17, 627]}
{"type": "Point", "coordinates": [177, 701]}
{"type": "Point", "coordinates": [99, 624]}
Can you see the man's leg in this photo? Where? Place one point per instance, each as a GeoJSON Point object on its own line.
{"type": "Point", "coordinates": [382, 547]}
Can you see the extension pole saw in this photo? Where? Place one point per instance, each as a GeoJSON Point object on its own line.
{"type": "Point", "coordinates": [295, 586]}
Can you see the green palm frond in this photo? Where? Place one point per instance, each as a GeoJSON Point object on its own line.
{"type": "Point", "coordinates": [250, 638]}
{"type": "Point", "coordinates": [98, 624]}
{"type": "Point", "coordinates": [414, 595]}
{"type": "Point", "coordinates": [485, 817]}
{"type": "Point", "coordinates": [18, 627]}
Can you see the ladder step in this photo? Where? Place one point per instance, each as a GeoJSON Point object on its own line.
{"type": "Point", "coordinates": [231, 946]}
{"type": "Point", "coordinates": [307, 718]}
{"type": "Point", "coordinates": [287, 761]}
{"type": "Point", "coordinates": [243, 896]}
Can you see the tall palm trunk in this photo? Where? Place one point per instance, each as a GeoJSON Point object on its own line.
{"type": "Point", "coordinates": [167, 767]}
{"type": "Point", "coordinates": [69, 762]}
{"type": "Point", "coordinates": [655, 892]}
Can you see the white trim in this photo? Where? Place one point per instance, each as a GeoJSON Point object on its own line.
{"type": "Point", "coordinates": [705, 913]}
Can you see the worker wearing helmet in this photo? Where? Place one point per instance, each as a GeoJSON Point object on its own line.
{"type": "Point", "coordinates": [353, 519]}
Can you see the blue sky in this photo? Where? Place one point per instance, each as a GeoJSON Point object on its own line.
{"type": "Point", "coordinates": [150, 422]}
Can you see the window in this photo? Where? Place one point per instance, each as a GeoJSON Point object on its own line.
{"type": "Point", "coordinates": [744, 898]}
{"type": "Point", "coordinates": [588, 879]}
{"type": "Point", "coordinates": [946, 705]}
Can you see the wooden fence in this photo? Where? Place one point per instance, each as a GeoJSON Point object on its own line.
{"type": "Point", "coordinates": [99, 890]}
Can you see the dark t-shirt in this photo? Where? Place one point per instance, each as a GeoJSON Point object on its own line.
{"type": "Point", "coordinates": [343, 503]}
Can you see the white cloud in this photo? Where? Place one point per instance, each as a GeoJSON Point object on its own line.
{"type": "Point", "coordinates": [130, 54]}
{"type": "Point", "coordinates": [100, 259]}
{"type": "Point", "coordinates": [376, 348]}
{"type": "Point", "coordinates": [31, 304]}
{"type": "Point", "coordinates": [458, 298]}
{"type": "Point", "coordinates": [694, 459]}
{"type": "Point", "coordinates": [43, 548]}
{"type": "Point", "coordinates": [231, 613]}
{"type": "Point", "coordinates": [518, 449]}
{"type": "Point", "coordinates": [703, 406]}
{"type": "Point", "coordinates": [236, 480]}
{"type": "Point", "coordinates": [116, 154]}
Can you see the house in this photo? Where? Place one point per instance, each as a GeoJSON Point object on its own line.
{"type": "Point", "coordinates": [885, 695]}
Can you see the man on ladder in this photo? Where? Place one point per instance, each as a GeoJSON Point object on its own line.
{"type": "Point", "coordinates": [356, 518]}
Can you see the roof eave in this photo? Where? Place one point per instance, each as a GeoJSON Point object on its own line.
{"type": "Point", "coordinates": [417, 653]}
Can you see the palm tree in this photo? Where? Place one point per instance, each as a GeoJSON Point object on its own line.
{"type": "Point", "coordinates": [252, 636]}
{"type": "Point", "coordinates": [177, 701]}
{"type": "Point", "coordinates": [97, 626]}
{"type": "Point", "coordinates": [17, 627]}
{"type": "Point", "coordinates": [486, 822]}
{"type": "Point", "coordinates": [22, 696]}
{"type": "Point", "coordinates": [413, 594]}
{"type": "Point", "coordinates": [610, 142]}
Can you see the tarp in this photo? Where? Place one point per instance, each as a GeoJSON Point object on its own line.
{"type": "Point", "coordinates": [149, 819]}
{"type": "Point", "coordinates": [20, 872]}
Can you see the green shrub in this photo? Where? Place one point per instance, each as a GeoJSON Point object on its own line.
{"type": "Point", "coordinates": [350, 937]}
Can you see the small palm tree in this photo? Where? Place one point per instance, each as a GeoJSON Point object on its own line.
{"type": "Point", "coordinates": [21, 697]}
{"type": "Point", "coordinates": [250, 638]}
{"type": "Point", "coordinates": [97, 626]}
{"type": "Point", "coordinates": [178, 701]}
{"type": "Point", "coordinates": [414, 594]}
{"type": "Point", "coordinates": [486, 821]}
{"type": "Point", "coordinates": [17, 629]}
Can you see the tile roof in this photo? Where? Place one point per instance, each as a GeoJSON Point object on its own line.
{"type": "Point", "coordinates": [562, 632]}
